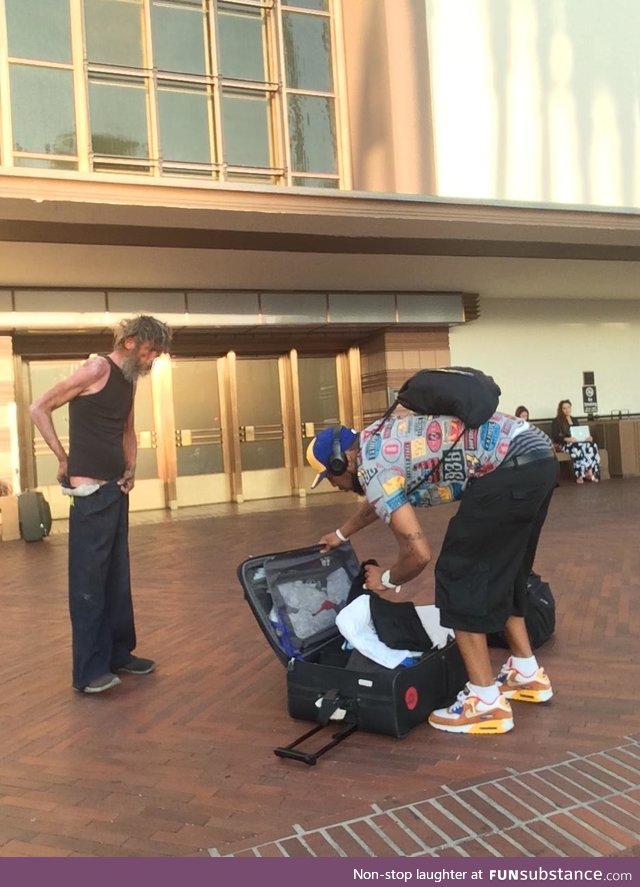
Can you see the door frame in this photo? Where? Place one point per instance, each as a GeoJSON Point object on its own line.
{"type": "Point", "coordinates": [348, 376]}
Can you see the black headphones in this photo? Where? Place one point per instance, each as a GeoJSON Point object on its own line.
{"type": "Point", "coordinates": [337, 463]}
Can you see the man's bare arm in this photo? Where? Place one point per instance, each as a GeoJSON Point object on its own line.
{"type": "Point", "coordinates": [86, 378]}
{"type": "Point", "coordinates": [363, 517]}
{"type": "Point", "coordinates": [130, 447]}
{"type": "Point", "coordinates": [414, 551]}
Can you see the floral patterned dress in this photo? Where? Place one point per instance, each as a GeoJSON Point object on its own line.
{"type": "Point", "coordinates": [585, 456]}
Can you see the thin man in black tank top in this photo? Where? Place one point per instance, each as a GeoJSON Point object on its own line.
{"type": "Point", "coordinates": [96, 427]}
{"type": "Point", "coordinates": [99, 473]}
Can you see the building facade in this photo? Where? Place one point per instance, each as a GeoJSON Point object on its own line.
{"type": "Point", "coordinates": [320, 196]}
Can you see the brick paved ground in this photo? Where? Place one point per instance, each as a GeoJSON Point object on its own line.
{"type": "Point", "coordinates": [181, 761]}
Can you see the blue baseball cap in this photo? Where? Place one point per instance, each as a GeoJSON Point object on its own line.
{"type": "Point", "coordinates": [319, 451]}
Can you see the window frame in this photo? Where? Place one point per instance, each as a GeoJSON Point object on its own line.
{"type": "Point", "coordinates": [213, 83]}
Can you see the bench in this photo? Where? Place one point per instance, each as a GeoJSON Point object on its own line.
{"type": "Point", "coordinates": [564, 459]}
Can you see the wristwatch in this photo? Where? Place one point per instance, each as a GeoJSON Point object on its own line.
{"type": "Point", "coordinates": [385, 579]}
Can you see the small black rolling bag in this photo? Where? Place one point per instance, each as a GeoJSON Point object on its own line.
{"type": "Point", "coordinates": [34, 515]}
{"type": "Point", "coordinates": [295, 597]}
{"type": "Point", "coordinates": [539, 614]}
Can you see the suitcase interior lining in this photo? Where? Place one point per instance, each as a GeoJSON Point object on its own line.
{"type": "Point", "coordinates": [326, 652]}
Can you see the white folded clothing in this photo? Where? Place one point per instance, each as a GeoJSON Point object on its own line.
{"type": "Point", "coordinates": [81, 490]}
{"type": "Point", "coordinates": [356, 625]}
{"type": "Point", "coordinates": [429, 615]}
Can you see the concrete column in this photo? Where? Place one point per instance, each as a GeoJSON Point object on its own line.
{"type": "Point", "coordinates": [9, 475]}
{"type": "Point", "coordinates": [386, 56]}
{"type": "Point", "coordinates": [389, 358]}
{"type": "Point", "coordinates": [8, 431]}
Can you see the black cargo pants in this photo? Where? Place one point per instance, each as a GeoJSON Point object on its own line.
{"type": "Point", "coordinates": [490, 546]}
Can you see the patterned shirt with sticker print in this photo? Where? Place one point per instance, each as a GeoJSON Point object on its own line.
{"type": "Point", "coordinates": [403, 461]}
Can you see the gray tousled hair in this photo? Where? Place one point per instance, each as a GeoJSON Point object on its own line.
{"type": "Point", "coordinates": [143, 328]}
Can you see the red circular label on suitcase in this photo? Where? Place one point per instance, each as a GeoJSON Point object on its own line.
{"type": "Point", "coordinates": [411, 698]}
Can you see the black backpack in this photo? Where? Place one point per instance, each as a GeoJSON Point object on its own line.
{"type": "Point", "coordinates": [469, 394]}
{"type": "Point", "coordinates": [451, 391]}
{"type": "Point", "coordinates": [540, 614]}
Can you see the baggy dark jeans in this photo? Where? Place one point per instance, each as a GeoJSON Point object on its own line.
{"type": "Point", "coordinates": [100, 606]}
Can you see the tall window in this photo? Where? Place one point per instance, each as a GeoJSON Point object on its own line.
{"type": "Point", "coordinates": [229, 90]}
{"type": "Point", "coordinates": [306, 29]}
{"type": "Point", "coordinates": [40, 84]}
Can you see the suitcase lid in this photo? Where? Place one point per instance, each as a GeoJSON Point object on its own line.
{"type": "Point", "coordinates": [296, 595]}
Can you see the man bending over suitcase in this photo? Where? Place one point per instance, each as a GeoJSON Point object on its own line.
{"type": "Point", "coordinates": [504, 474]}
{"type": "Point", "coordinates": [98, 474]}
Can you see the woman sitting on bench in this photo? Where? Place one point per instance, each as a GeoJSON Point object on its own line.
{"type": "Point", "coordinates": [585, 457]}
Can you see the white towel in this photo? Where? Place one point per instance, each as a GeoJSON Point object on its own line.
{"type": "Point", "coordinates": [82, 490]}
{"type": "Point", "coordinates": [356, 625]}
{"type": "Point", "coordinates": [430, 617]}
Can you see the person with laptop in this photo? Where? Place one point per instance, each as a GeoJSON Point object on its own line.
{"type": "Point", "coordinates": [575, 439]}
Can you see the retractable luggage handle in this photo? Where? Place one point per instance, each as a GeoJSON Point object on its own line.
{"type": "Point", "coordinates": [291, 751]}
{"type": "Point", "coordinates": [331, 701]}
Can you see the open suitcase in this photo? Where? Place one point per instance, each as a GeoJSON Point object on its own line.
{"type": "Point", "coordinates": [295, 597]}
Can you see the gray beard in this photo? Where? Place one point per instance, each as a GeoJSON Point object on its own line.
{"type": "Point", "coordinates": [132, 370]}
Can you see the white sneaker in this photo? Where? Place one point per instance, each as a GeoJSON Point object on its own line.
{"type": "Point", "coordinates": [99, 685]}
{"type": "Point", "coordinates": [469, 714]}
{"type": "Point", "coordinates": [524, 688]}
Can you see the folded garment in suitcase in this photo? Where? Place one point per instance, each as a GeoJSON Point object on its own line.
{"type": "Point", "coordinates": [308, 589]}
{"type": "Point", "coordinates": [379, 632]}
{"type": "Point", "coordinates": [293, 592]}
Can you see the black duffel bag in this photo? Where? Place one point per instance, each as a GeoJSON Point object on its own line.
{"type": "Point", "coordinates": [540, 614]}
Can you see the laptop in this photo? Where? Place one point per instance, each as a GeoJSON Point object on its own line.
{"type": "Point", "coordinates": [580, 432]}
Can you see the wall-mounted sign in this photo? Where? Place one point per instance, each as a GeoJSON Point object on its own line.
{"type": "Point", "coordinates": [589, 399]}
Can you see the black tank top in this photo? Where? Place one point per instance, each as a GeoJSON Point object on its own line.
{"type": "Point", "coordinates": [96, 426]}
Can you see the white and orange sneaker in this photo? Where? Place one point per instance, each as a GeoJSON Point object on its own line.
{"type": "Point", "coordinates": [469, 714]}
{"type": "Point", "coordinates": [524, 688]}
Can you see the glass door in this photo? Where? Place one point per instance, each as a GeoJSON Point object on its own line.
{"type": "Point", "coordinates": [149, 491]}
{"type": "Point", "coordinates": [263, 459]}
{"type": "Point", "coordinates": [201, 477]}
{"type": "Point", "coordinates": [42, 375]}
{"type": "Point", "coordinates": [319, 406]}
